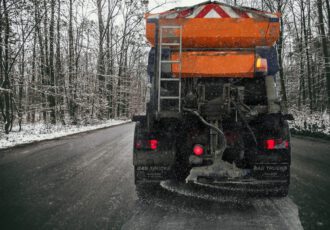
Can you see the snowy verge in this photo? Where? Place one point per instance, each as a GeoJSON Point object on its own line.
{"type": "Point", "coordinates": [39, 132]}
{"type": "Point", "coordinates": [316, 124]}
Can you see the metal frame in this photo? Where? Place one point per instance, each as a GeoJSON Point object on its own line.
{"type": "Point", "coordinates": [161, 62]}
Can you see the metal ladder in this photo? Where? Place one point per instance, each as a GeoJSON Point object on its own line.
{"type": "Point", "coordinates": [176, 81]}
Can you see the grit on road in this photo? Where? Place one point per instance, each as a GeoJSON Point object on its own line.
{"type": "Point", "coordinates": [86, 182]}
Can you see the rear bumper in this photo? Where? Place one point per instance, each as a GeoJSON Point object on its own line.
{"type": "Point", "coordinates": [270, 177]}
{"type": "Point", "coordinates": [245, 185]}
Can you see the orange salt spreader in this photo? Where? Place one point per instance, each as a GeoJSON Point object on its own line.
{"type": "Point", "coordinates": [217, 40]}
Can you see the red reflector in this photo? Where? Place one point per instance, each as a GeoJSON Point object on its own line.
{"type": "Point", "coordinates": [138, 144]}
{"type": "Point", "coordinates": [287, 144]}
{"type": "Point", "coordinates": [153, 144]}
{"type": "Point", "coordinates": [270, 144]}
{"type": "Point", "coordinates": [198, 150]}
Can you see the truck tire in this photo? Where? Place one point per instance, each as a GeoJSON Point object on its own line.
{"type": "Point", "coordinates": [182, 169]}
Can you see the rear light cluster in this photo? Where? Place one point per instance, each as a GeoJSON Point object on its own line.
{"type": "Point", "coordinates": [146, 144]}
{"type": "Point", "coordinates": [272, 144]}
{"type": "Point", "coordinates": [153, 144]}
{"type": "Point", "coordinates": [198, 150]}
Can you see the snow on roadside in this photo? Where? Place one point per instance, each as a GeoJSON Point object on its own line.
{"type": "Point", "coordinates": [39, 132]}
{"type": "Point", "coordinates": [316, 122]}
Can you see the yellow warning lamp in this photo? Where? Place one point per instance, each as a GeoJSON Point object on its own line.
{"type": "Point", "coordinates": [261, 65]}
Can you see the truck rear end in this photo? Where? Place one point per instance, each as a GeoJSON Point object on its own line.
{"type": "Point", "coordinates": [213, 118]}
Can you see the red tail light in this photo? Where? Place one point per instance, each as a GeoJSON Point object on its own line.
{"type": "Point", "coordinates": [153, 144]}
{"type": "Point", "coordinates": [146, 144]}
{"type": "Point", "coordinates": [272, 144]}
{"type": "Point", "coordinates": [198, 150]}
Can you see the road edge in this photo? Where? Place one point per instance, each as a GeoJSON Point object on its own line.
{"type": "Point", "coordinates": [58, 138]}
{"type": "Point", "coordinates": [309, 134]}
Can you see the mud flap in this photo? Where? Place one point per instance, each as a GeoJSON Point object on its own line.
{"type": "Point", "coordinates": [271, 171]}
{"type": "Point", "coordinates": [146, 174]}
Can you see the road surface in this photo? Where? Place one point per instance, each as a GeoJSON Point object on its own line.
{"type": "Point", "coordinates": [310, 183]}
{"type": "Point", "coordinates": [86, 182]}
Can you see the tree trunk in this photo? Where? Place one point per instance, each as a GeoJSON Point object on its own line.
{"type": "Point", "coordinates": [328, 11]}
{"type": "Point", "coordinates": [280, 59]}
{"type": "Point", "coordinates": [72, 96]}
{"type": "Point", "coordinates": [121, 70]}
{"type": "Point", "coordinates": [109, 60]}
{"type": "Point", "coordinates": [46, 62]}
{"type": "Point", "coordinates": [6, 84]}
{"type": "Point", "coordinates": [1, 66]}
{"type": "Point", "coordinates": [51, 64]}
{"type": "Point", "coordinates": [100, 59]}
{"type": "Point", "coordinates": [325, 51]}
{"type": "Point", "coordinates": [34, 74]}
{"type": "Point", "coordinates": [59, 78]}
{"type": "Point", "coordinates": [310, 95]}
{"type": "Point", "coordinates": [21, 81]}
{"type": "Point", "coordinates": [42, 57]}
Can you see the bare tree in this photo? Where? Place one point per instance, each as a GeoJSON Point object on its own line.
{"type": "Point", "coordinates": [7, 107]}
{"type": "Point", "coordinates": [325, 50]}
{"type": "Point", "coordinates": [72, 90]}
{"type": "Point", "coordinates": [51, 63]}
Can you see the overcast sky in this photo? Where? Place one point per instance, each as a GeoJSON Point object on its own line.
{"type": "Point", "coordinates": [169, 4]}
{"type": "Point", "coordinates": [157, 6]}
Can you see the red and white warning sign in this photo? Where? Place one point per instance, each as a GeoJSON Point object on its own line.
{"type": "Point", "coordinates": [212, 10]}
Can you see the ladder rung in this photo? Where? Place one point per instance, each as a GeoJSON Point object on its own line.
{"type": "Point", "coordinates": [169, 98]}
{"type": "Point", "coordinates": [170, 79]}
{"type": "Point", "coordinates": [170, 44]}
{"type": "Point", "coordinates": [169, 62]}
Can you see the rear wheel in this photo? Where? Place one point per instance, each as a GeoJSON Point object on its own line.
{"type": "Point", "coordinates": [181, 172]}
{"type": "Point", "coordinates": [182, 168]}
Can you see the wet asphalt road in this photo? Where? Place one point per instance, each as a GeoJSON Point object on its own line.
{"type": "Point", "coordinates": [86, 182]}
{"type": "Point", "coordinates": [310, 182]}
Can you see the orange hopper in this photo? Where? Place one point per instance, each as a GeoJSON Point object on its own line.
{"type": "Point", "coordinates": [208, 29]}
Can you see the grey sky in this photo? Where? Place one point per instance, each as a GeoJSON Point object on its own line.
{"type": "Point", "coordinates": [169, 4]}
{"type": "Point", "coordinates": [157, 6]}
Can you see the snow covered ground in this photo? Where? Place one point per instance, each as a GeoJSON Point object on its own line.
{"type": "Point", "coordinates": [316, 122]}
{"type": "Point", "coordinates": [38, 132]}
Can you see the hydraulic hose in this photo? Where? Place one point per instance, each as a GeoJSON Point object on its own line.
{"type": "Point", "coordinates": [222, 136]}
{"type": "Point", "coordinates": [246, 123]}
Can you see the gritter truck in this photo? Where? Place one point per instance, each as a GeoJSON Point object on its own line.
{"type": "Point", "coordinates": [213, 118]}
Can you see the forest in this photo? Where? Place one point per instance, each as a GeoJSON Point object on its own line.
{"type": "Point", "coordinates": [76, 61]}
